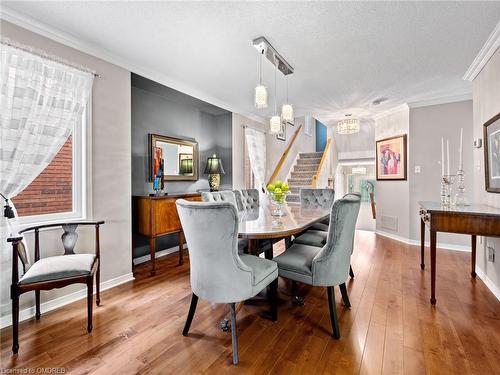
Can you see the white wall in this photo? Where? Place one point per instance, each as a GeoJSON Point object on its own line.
{"type": "Point", "coordinates": [111, 172]}
{"type": "Point", "coordinates": [486, 104]}
{"type": "Point", "coordinates": [392, 197]}
{"type": "Point", "coordinates": [427, 126]}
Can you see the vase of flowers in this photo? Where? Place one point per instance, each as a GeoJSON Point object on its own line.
{"type": "Point", "coordinates": [277, 192]}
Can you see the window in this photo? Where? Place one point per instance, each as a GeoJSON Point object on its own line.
{"type": "Point", "coordinates": [59, 192]}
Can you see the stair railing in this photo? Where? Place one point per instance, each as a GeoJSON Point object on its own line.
{"type": "Point", "coordinates": [319, 175]}
{"type": "Point", "coordinates": [284, 155]}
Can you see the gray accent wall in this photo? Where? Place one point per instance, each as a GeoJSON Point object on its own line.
{"type": "Point", "coordinates": [161, 110]}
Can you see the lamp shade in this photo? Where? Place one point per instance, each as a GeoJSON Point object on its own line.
{"type": "Point", "coordinates": [214, 165]}
{"type": "Point", "coordinates": [287, 112]}
{"type": "Point", "coordinates": [186, 166]}
{"type": "Point", "coordinates": [275, 124]}
{"type": "Point", "coordinates": [260, 96]}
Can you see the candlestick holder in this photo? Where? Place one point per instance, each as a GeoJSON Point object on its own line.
{"type": "Point", "coordinates": [446, 190]}
{"type": "Point", "coordinates": [460, 198]}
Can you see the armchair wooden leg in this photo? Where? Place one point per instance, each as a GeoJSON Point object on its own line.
{"type": "Point", "coordinates": [345, 296]}
{"type": "Point", "coordinates": [192, 309]}
{"type": "Point", "coordinates": [333, 312]}
{"type": "Point", "coordinates": [273, 299]}
{"type": "Point", "coordinates": [351, 273]}
{"type": "Point", "coordinates": [90, 302]}
{"type": "Point", "coordinates": [233, 333]}
{"type": "Point", "coordinates": [37, 304]}
{"type": "Point", "coordinates": [15, 324]}
{"type": "Point", "coordinates": [98, 284]}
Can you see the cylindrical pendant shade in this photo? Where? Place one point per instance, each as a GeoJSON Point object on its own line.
{"type": "Point", "coordinates": [275, 124]}
{"type": "Point", "coordinates": [287, 112]}
{"type": "Point", "coordinates": [260, 96]}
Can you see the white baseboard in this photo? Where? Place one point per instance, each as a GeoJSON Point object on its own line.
{"type": "Point", "coordinates": [159, 254]}
{"type": "Point", "coordinates": [489, 284]}
{"type": "Point", "coordinates": [25, 314]}
{"type": "Point", "coordinates": [408, 241]}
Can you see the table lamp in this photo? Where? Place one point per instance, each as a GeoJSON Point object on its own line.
{"type": "Point", "coordinates": [214, 169]}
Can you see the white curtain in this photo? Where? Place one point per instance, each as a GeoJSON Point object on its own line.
{"type": "Point", "coordinates": [256, 144]}
{"type": "Point", "coordinates": [41, 100]}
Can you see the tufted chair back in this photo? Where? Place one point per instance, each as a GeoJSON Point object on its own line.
{"type": "Point", "coordinates": [317, 197]}
{"type": "Point", "coordinates": [247, 199]}
{"type": "Point", "coordinates": [219, 196]}
{"type": "Point", "coordinates": [217, 272]}
{"type": "Point", "coordinates": [331, 265]}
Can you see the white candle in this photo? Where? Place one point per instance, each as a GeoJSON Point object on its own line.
{"type": "Point", "coordinates": [442, 156]}
{"type": "Point", "coordinates": [460, 164]}
{"type": "Point", "coordinates": [447, 157]}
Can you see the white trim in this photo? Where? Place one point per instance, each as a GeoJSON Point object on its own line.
{"type": "Point", "coordinates": [489, 48]}
{"type": "Point", "coordinates": [25, 314]}
{"type": "Point", "coordinates": [408, 241]}
{"type": "Point", "coordinates": [441, 100]}
{"type": "Point", "coordinates": [69, 40]}
{"type": "Point", "coordinates": [159, 254]}
{"type": "Point", "coordinates": [489, 284]}
{"type": "Point", "coordinates": [399, 108]}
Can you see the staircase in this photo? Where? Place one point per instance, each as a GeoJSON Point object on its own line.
{"type": "Point", "coordinates": [302, 174]}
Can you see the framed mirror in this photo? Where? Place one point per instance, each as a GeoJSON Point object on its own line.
{"type": "Point", "coordinates": [179, 156]}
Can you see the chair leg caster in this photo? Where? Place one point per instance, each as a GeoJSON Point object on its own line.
{"type": "Point", "coordinates": [224, 325]}
{"type": "Point", "coordinates": [298, 301]}
{"type": "Point", "coordinates": [98, 302]}
{"type": "Point", "coordinates": [15, 349]}
{"type": "Point", "coordinates": [89, 328]}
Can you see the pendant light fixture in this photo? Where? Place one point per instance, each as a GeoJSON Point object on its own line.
{"type": "Point", "coordinates": [260, 90]}
{"type": "Point", "coordinates": [275, 123]}
{"type": "Point", "coordinates": [287, 109]}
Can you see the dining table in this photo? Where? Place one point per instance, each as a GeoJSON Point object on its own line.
{"type": "Point", "coordinates": [259, 225]}
{"type": "Point", "coordinates": [261, 229]}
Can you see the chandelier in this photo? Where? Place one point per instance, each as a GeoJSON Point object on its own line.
{"type": "Point", "coordinates": [348, 126]}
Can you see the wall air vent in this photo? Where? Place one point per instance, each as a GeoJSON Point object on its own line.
{"type": "Point", "coordinates": [389, 222]}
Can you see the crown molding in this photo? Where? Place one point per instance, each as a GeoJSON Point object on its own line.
{"type": "Point", "coordinates": [71, 41]}
{"type": "Point", "coordinates": [484, 54]}
{"type": "Point", "coordinates": [399, 108]}
{"type": "Point", "coordinates": [441, 100]}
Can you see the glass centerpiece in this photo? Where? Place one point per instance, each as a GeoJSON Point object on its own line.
{"type": "Point", "coordinates": [277, 192]}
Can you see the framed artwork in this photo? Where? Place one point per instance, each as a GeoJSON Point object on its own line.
{"type": "Point", "coordinates": [282, 133]}
{"type": "Point", "coordinates": [180, 157]}
{"type": "Point", "coordinates": [491, 135]}
{"type": "Point", "coordinates": [391, 158]}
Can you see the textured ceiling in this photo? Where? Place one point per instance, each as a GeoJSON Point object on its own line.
{"type": "Point", "coordinates": [345, 54]}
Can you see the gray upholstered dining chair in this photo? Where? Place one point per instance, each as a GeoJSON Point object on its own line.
{"type": "Point", "coordinates": [328, 265]}
{"type": "Point", "coordinates": [226, 196]}
{"type": "Point", "coordinates": [247, 199]}
{"type": "Point", "coordinates": [318, 198]}
{"type": "Point", "coordinates": [316, 235]}
{"type": "Point", "coordinates": [218, 273]}
{"type": "Point", "coordinates": [219, 196]}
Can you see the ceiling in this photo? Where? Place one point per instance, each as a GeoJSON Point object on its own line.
{"type": "Point", "coordinates": [345, 54]}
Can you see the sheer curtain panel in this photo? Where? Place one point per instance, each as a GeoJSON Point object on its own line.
{"type": "Point", "coordinates": [256, 143]}
{"type": "Point", "coordinates": [41, 102]}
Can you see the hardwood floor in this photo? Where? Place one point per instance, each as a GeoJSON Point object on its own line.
{"type": "Point", "coordinates": [392, 328]}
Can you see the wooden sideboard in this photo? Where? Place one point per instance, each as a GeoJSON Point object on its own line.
{"type": "Point", "coordinates": [157, 216]}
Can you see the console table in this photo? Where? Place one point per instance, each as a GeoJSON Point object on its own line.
{"type": "Point", "coordinates": [157, 216]}
{"type": "Point", "coordinates": [476, 220]}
